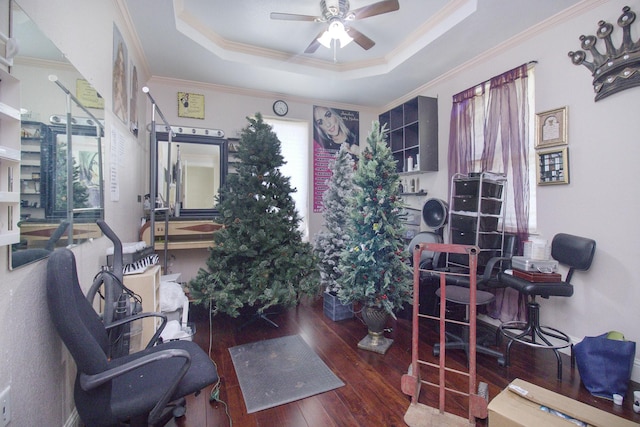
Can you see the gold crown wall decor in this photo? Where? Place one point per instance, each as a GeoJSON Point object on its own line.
{"type": "Point", "coordinates": [618, 68]}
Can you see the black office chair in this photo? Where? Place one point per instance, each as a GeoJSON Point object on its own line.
{"type": "Point", "coordinates": [140, 389]}
{"type": "Point", "coordinates": [572, 251]}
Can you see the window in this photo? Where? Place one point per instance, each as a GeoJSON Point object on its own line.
{"type": "Point", "coordinates": [294, 137]}
{"type": "Point", "coordinates": [491, 131]}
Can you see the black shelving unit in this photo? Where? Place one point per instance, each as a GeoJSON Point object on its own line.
{"type": "Point", "coordinates": [33, 147]}
{"type": "Point", "coordinates": [413, 132]}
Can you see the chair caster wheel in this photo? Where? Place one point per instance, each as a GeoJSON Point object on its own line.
{"type": "Point", "coordinates": [179, 411]}
{"type": "Point", "coordinates": [436, 351]}
{"type": "Point", "coordinates": [502, 361]}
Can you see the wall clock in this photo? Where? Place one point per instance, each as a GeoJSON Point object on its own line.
{"type": "Point", "coordinates": [280, 108]}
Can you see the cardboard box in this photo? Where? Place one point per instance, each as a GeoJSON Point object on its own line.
{"type": "Point", "coordinates": [520, 405]}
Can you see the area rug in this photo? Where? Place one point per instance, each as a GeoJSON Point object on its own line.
{"type": "Point", "coordinates": [278, 371]}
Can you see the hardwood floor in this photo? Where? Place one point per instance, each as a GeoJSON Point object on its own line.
{"type": "Point", "coordinates": [372, 395]}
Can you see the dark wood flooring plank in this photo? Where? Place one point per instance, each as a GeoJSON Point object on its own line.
{"type": "Point", "coordinates": [371, 395]}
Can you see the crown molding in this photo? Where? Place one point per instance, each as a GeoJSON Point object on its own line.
{"type": "Point", "coordinates": [450, 15]}
{"type": "Point", "coordinates": [143, 65]}
{"type": "Point", "coordinates": [576, 10]}
{"type": "Point", "coordinates": [29, 61]}
{"type": "Point", "coordinates": [171, 82]}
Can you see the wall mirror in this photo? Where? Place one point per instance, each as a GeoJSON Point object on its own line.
{"type": "Point", "coordinates": [190, 170]}
{"type": "Point", "coordinates": [55, 211]}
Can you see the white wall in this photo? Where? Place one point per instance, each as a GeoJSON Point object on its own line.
{"type": "Point", "coordinates": [226, 109]}
{"type": "Point", "coordinates": [32, 357]}
{"type": "Point", "coordinates": [600, 202]}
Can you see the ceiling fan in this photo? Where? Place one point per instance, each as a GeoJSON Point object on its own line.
{"type": "Point", "coordinates": [336, 13]}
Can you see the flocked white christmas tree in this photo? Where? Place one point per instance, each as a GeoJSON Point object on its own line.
{"type": "Point", "coordinates": [331, 241]}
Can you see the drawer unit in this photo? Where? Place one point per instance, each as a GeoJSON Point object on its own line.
{"type": "Point", "coordinates": [470, 204]}
{"type": "Point", "coordinates": [489, 240]}
{"type": "Point", "coordinates": [470, 186]}
{"type": "Point", "coordinates": [471, 223]}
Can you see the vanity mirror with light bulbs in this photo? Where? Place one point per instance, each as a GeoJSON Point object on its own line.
{"type": "Point", "coordinates": [191, 168]}
{"type": "Point", "coordinates": [61, 190]}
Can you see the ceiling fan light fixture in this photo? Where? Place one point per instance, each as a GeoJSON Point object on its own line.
{"type": "Point", "coordinates": [336, 31]}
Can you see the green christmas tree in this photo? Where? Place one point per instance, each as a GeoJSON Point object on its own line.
{"type": "Point", "coordinates": [258, 259]}
{"type": "Point", "coordinates": [80, 190]}
{"type": "Point", "coordinates": [374, 264]}
{"type": "Point", "coordinates": [330, 242]}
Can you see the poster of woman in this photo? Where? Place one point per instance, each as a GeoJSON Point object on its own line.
{"type": "Point", "coordinates": [119, 76]}
{"type": "Point", "coordinates": [332, 128]}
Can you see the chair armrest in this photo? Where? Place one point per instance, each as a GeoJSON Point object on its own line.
{"type": "Point", "coordinates": [89, 382]}
{"type": "Point", "coordinates": [491, 265]}
{"type": "Point", "coordinates": [138, 316]}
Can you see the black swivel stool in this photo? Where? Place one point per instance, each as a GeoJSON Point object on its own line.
{"type": "Point", "coordinates": [457, 292]}
{"type": "Point", "coordinates": [461, 295]}
{"type": "Point", "coordinates": [572, 251]}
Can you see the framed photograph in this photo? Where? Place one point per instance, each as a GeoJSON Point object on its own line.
{"type": "Point", "coordinates": [553, 166]}
{"type": "Point", "coordinates": [190, 105]}
{"type": "Point", "coordinates": [551, 128]}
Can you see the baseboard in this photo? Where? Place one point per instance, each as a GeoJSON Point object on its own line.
{"type": "Point", "coordinates": [73, 420]}
{"type": "Point", "coordinates": [635, 373]}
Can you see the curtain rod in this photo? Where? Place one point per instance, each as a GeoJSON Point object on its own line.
{"type": "Point", "coordinates": [528, 64]}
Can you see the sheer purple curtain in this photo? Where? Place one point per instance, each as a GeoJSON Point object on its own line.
{"type": "Point", "coordinates": [501, 105]}
{"type": "Point", "coordinates": [462, 132]}
{"type": "Point", "coordinates": [508, 122]}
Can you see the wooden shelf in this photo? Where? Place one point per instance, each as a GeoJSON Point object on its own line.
{"type": "Point", "coordinates": [9, 158]}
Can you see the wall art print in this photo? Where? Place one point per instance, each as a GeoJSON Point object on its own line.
{"type": "Point", "coordinates": [332, 127]}
{"type": "Point", "coordinates": [119, 85]}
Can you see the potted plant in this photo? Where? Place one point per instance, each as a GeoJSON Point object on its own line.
{"type": "Point", "coordinates": [374, 267]}
{"type": "Point", "coordinates": [331, 241]}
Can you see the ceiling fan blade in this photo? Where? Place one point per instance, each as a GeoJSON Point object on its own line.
{"type": "Point", "coordinates": [315, 44]}
{"type": "Point", "coordinates": [375, 9]}
{"type": "Point", "coordinates": [365, 42]}
{"type": "Point", "coordinates": [292, 17]}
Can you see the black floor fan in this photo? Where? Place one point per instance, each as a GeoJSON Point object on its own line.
{"type": "Point", "coordinates": [435, 215]}
{"type": "Point", "coordinates": [119, 302]}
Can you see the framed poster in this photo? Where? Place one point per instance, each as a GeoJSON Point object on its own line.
{"type": "Point", "coordinates": [332, 128]}
{"type": "Point", "coordinates": [190, 105]}
{"type": "Point", "coordinates": [88, 96]}
{"type": "Point", "coordinates": [553, 166]}
{"type": "Point", "coordinates": [551, 128]}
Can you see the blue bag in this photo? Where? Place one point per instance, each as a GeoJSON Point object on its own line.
{"type": "Point", "coordinates": [605, 364]}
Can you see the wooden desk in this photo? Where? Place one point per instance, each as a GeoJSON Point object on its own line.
{"type": "Point", "coordinates": [183, 234]}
